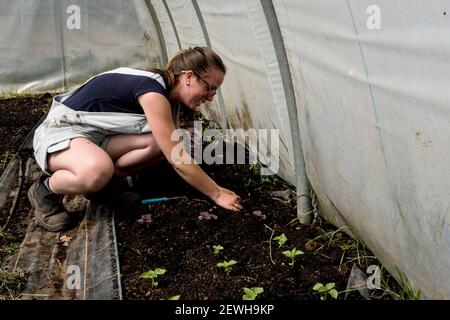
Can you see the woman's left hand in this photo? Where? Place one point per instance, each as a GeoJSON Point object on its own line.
{"type": "Point", "coordinates": [229, 200]}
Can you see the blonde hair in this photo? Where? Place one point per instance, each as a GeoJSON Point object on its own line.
{"type": "Point", "coordinates": [198, 59]}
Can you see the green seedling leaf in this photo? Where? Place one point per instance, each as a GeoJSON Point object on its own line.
{"type": "Point", "coordinates": [317, 286]}
{"type": "Point", "coordinates": [226, 265]}
{"type": "Point", "coordinates": [333, 293]}
{"type": "Point", "coordinates": [325, 290]}
{"type": "Point", "coordinates": [217, 248]}
{"type": "Point", "coordinates": [251, 293]}
{"type": "Point", "coordinates": [292, 254]}
{"type": "Point", "coordinates": [330, 286]}
{"type": "Point", "coordinates": [281, 240]}
{"type": "Point", "coordinates": [153, 274]}
{"type": "Point", "coordinates": [177, 297]}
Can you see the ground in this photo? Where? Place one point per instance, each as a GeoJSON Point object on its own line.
{"type": "Point", "coordinates": [18, 117]}
{"type": "Point", "coordinates": [177, 236]}
{"type": "Point", "coordinates": [179, 241]}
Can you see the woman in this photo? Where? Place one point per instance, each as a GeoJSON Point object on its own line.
{"type": "Point", "coordinates": [118, 123]}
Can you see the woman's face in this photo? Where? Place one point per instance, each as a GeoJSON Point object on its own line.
{"type": "Point", "coordinates": [199, 88]}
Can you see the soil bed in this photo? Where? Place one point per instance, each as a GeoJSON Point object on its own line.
{"type": "Point", "coordinates": [18, 117]}
{"type": "Point", "coordinates": [179, 241]}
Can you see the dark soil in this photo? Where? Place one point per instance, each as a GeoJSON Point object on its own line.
{"type": "Point", "coordinates": [18, 117]}
{"type": "Point", "coordinates": [178, 241]}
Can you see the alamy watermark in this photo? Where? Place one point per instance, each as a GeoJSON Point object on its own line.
{"type": "Point", "coordinates": [73, 21]}
{"type": "Point", "coordinates": [263, 146]}
{"type": "Point", "coordinates": [374, 280]}
{"type": "Point", "coordinates": [73, 280]}
{"type": "Point", "coordinates": [373, 22]}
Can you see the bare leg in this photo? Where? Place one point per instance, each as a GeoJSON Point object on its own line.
{"type": "Point", "coordinates": [133, 152]}
{"type": "Point", "coordinates": [82, 168]}
{"type": "Point", "coordinates": [86, 168]}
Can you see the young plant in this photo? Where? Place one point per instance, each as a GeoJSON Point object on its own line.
{"type": "Point", "coordinates": [403, 288]}
{"type": "Point", "coordinates": [258, 214]}
{"type": "Point", "coordinates": [325, 290]}
{"type": "Point", "coordinates": [10, 248]}
{"type": "Point", "coordinates": [177, 297]}
{"type": "Point", "coordinates": [207, 216]}
{"type": "Point", "coordinates": [281, 240]}
{"type": "Point", "coordinates": [226, 265]}
{"type": "Point", "coordinates": [145, 219]}
{"type": "Point", "coordinates": [12, 283]}
{"type": "Point", "coordinates": [217, 248]}
{"type": "Point", "coordinates": [251, 293]}
{"type": "Point", "coordinates": [292, 254]}
{"type": "Point", "coordinates": [153, 274]}
{"type": "Point", "coordinates": [255, 168]}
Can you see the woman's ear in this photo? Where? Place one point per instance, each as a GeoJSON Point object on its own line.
{"type": "Point", "coordinates": [188, 76]}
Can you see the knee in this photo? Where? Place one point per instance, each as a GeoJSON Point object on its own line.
{"type": "Point", "coordinates": [96, 175]}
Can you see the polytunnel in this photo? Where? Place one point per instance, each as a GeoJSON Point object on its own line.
{"type": "Point", "coordinates": [356, 89]}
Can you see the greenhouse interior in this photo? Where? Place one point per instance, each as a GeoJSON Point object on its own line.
{"type": "Point", "coordinates": [318, 131]}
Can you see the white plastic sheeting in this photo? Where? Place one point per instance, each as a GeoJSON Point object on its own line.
{"type": "Point", "coordinates": [372, 104]}
{"type": "Point", "coordinates": [56, 44]}
{"type": "Point", "coordinates": [373, 109]}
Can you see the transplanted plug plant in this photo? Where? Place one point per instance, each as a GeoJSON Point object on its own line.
{"type": "Point", "coordinates": [252, 293]}
{"type": "Point", "coordinates": [153, 274]}
{"type": "Point", "coordinates": [207, 216]}
{"type": "Point", "coordinates": [226, 265]}
{"type": "Point", "coordinates": [258, 214]}
{"type": "Point", "coordinates": [281, 240]}
{"type": "Point", "coordinates": [326, 290]}
{"type": "Point", "coordinates": [217, 248]}
{"type": "Point", "coordinates": [292, 254]}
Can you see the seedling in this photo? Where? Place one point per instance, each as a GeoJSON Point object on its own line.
{"type": "Point", "coordinates": [217, 248]}
{"type": "Point", "coordinates": [292, 254]}
{"type": "Point", "coordinates": [251, 293]}
{"type": "Point", "coordinates": [259, 215]}
{"type": "Point", "coordinates": [145, 219]}
{"type": "Point", "coordinates": [281, 240]}
{"type": "Point", "coordinates": [255, 168]}
{"type": "Point", "coordinates": [10, 248]}
{"type": "Point", "coordinates": [177, 297]}
{"type": "Point", "coordinates": [12, 283]}
{"type": "Point", "coordinates": [207, 216]}
{"type": "Point", "coordinates": [325, 290]}
{"type": "Point", "coordinates": [153, 274]}
{"type": "Point", "coordinates": [226, 265]}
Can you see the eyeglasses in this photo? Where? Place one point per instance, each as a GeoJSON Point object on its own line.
{"type": "Point", "coordinates": [212, 90]}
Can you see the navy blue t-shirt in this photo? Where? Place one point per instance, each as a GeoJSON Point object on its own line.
{"type": "Point", "coordinates": [114, 92]}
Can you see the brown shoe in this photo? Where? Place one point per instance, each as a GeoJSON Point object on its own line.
{"type": "Point", "coordinates": [50, 212]}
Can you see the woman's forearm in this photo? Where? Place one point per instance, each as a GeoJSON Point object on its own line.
{"type": "Point", "coordinates": [196, 177]}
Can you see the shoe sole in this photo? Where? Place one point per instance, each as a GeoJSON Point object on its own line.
{"type": "Point", "coordinates": [56, 228]}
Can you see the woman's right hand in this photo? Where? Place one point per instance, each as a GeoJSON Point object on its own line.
{"type": "Point", "coordinates": [228, 199]}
